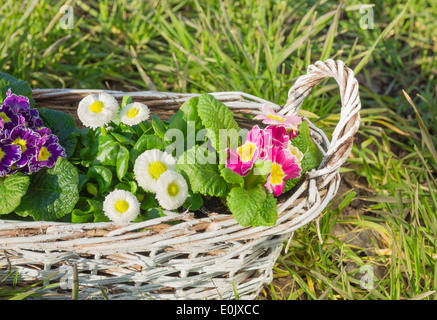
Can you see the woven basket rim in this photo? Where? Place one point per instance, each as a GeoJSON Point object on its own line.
{"type": "Point", "coordinates": [309, 184]}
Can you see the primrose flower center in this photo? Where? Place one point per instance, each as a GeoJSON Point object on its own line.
{"type": "Point", "coordinates": [2, 154]}
{"type": "Point", "coordinates": [173, 189]}
{"type": "Point", "coordinates": [4, 117]}
{"type": "Point", "coordinates": [132, 113]}
{"type": "Point", "coordinates": [275, 117]}
{"type": "Point", "coordinates": [246, 151]}
{"type": "Point", "coordinates": [156, 168]}
{"type": "Point", "coordinates": [44, 154]}
{"type": "Point", "coordinates": [121, 206]}
{"type": "Point", "coordinates": [276, 174]}
{"type": "Point", "coordinates": [20, 142]}
{"type": "Point", "coordinates": [97, 106]}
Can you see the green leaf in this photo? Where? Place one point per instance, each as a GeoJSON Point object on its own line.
{"type": "Point", "coordinates": [312, 156]}
{"type": "Point", "coordinates": [87, 137]}
{"type": "Point", "coordinates": [253, 207]}
{"type": "Point", "coordinates": [18, 87]}
{"type": "Point", "coordinates": [177, 122]}
{"type": "Point", "coordinates": [193, 202]}
{"type": "Point", "coordinates": [149, 201]}
{"type": "Point", "coordinates": [189, 111]}
{"type": "Point", "coordinates": [145, 142]}
{"type": "Point", "coordinates": [231, 176]}
{"type": "Point", "coordinates": [52, 193]}
{"type": "Point", "coordinates": [199, 167]}
{"type": "Point", "coordinates": [11, 190]}
{"type": "Point", "coordinates": [107, 155]}
{"type": "Point", "coordinates": [126, 100]}
{"type": "Point", "coordinates": [123, 139]}
{"type": "Point", "coordinates": [122, 163]}
{"type": "Point", "coordinates": [262, 167]}
{"type": "Point", "coordinates": [158, 126]}
{"type": "Point", "coordinates": [289, 184]}
{"type": "Point", "coordinates": [102, 175]}
{"type": "Point", "coordinates": [302, 141]}
{"type": "Point", "coordinates": [63, 126]}
{"type": "Point", "coordinates": [215, 116]}
{"type": "Point", "coordinates": [83, 212]}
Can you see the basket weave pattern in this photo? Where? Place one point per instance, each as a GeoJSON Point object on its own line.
{"type": "Point", "coordinates": [198, 258]}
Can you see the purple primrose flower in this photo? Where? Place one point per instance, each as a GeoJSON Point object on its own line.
{"type": "Point", "coordinates": [25, 144]}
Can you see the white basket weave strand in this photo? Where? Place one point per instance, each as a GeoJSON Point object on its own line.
{"type": "Point", "coordinates": [198, 258]}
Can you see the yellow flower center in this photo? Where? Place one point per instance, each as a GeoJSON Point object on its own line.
{"type": "Point", "coordinates": [275, 117]}
{"type": "Point", "coordinates": [156, 168]}
{"type": "Point", "coordinates": [276, 174]}
{"type": "Point", "coordinates": [2, 154]}
{"type": "Point", "coordinates": [132, 113]}
{"type": "Point", "coordinates": [44, 154]}
{"type": "Point", "coordinates": [4, 117]}
{"type": "Point", "coordinates": [20, 142]}
{"type": "Point", "coordinates": [246, 151]}
{"type": "Point", "coordinates": [173, 189]}
{"type": "Point", "coordinates": [97, 106]}
{"type": "Point", "coordinates": [121, 206]}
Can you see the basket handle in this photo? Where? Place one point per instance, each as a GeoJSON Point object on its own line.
{"type": "Point", "coordinates": [343, 135]}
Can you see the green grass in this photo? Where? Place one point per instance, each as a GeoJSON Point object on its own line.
{"type": "Point", "coordinates": [261, 47]}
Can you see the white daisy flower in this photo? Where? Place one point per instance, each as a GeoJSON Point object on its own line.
{"type": "Point", "coordinates": [150, 165]}
{"type": "Point", "coordinates": [134, 113]}
{"type": "Point", "coordinates": [121, 206]}
{"type": "Point", "coordinates": [172, 190]}
{"type": "Point", "coordinates": [97, 110]}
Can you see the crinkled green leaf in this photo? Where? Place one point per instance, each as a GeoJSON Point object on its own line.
{"type": "Point", "coordinates": [252, 207]}
{"type": "Point", "coordinates": [199, 167]}
{"type": "Point", "coordinates": [231, 176]}
{"type": "Point", "coordinates": [52, 193]}
{"type": "Point", "coordinates": [215, 116]}
{"type": "Point", "coordinates": [18, 87]}
{"type": "Point", "coordinates": [11, 190]}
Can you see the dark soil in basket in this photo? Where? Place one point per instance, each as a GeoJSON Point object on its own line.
{"type": "Point", "coordinates": [211, 205]}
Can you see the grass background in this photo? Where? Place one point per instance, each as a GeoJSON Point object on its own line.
{"type": "Point", "coordinates": [379, 236]}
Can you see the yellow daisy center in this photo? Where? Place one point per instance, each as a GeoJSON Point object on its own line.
{"type": "Point", "coordinates": [132, 113]}
{"type": "Point", "coordinates": [156, 168]}
{"type": "Point", "coordinates": [276, 174]}
{"type": "Point", "coordinates": [20, 142]}
{"type": "Point", "coordinates": [97, 106]}
{"type": "Point", "coordinates": [4, 117]}
{"type": "Point", "coordinates": [121, 206]}
{"type": "Point", "coordinates": [173, 189]}
{"type": "Point", "coordinates": [44, 154]}
{"type": "Point", "coordinates": [275, 117]}
{"type": "Point", "coordinates": [246, 151]}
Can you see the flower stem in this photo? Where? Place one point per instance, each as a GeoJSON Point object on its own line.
{"type": "Point", "coordinates": [143, 127]}
{"type": "Point", "coordinates": [252, 180]}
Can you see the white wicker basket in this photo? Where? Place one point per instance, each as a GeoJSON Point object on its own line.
{"type": "Point", "coordinates": [199, 258]}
